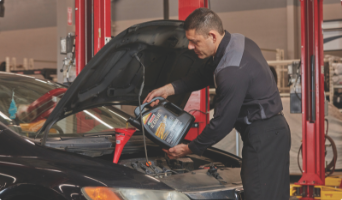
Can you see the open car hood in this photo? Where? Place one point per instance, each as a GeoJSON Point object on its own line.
{"type": "Point", "coordinates": [114, 75]}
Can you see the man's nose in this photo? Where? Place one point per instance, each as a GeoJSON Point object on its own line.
{"type": "Point", "coordinates": [191, 46]}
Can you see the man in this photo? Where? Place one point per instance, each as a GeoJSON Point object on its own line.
{"type": "Point", "coordinates": [247, 99]}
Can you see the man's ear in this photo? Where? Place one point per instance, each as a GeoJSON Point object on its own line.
{"type": "Point", "coordinates": [213, 36]}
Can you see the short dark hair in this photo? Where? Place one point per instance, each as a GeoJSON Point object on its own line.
{"type": "Point", "coordinates": [203, 20]}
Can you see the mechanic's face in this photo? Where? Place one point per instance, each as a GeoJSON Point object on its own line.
{"type": "Point", "coordinates": [204, 46]}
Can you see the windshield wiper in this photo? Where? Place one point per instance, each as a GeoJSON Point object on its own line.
{"type": "Point", "coordinates": [99, 133]}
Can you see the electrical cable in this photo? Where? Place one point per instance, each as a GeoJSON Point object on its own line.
{"type": "Point", "coordinates": [196, 110]}
{"type": "Point", "coordinates": [299, 150]}
{"type": "Point", "coordinates": [330, 168]}
{"type": "Point", "coordinates": [141, 118]}
{"type": "Point", "coordinates": [326, 130]}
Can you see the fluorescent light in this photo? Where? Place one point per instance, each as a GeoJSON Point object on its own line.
{"type": "Point", "coordinates": [97, 119]}
{"type": "Point", "coordinates": [29, 141]}
{"type": "Point", "coordinates": [125, 119]}
{"type": "Point", "coordinates": [4, 116]}
{"type": "Point", "coordinates": [40, 80]}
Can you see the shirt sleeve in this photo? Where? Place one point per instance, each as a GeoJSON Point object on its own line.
{"type": "Point", "coordinates": [232, 85]}
{"type": "Point", "coordinates": [201, 78]}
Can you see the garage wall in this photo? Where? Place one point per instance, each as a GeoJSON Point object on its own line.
{"type": "Point", "coordinates": [37, 43]}
{"type": "Point", "coordinates": [332, 9]}
{"type": "Point", "coordinates": [263, 21]}
{"type": "Point", "coordinates": [267, 27]}
{"type": "Point", "coordinates": [28, 30]}
{"type": "Point", "coordinates": [271, 23]}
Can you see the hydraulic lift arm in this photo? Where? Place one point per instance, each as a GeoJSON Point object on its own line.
{"type": "Point", "coordinates": [92, 29]}
{"type": "Point", "coordinates": [312, 95]}
{"type": "Point", "coordinates": [313, 184]}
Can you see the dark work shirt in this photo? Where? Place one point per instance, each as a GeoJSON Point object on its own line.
{"type": "Point", "coordinates": [245, 89]}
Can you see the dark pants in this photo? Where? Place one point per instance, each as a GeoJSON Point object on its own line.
{"type": "Point", "coordinates": [265, 159]}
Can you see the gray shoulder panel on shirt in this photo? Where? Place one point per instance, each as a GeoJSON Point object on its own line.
{"type": "Point", "coordinates": [233, 53]}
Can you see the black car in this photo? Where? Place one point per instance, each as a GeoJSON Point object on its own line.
{"type": "Point", "coordinates": [44, 127]}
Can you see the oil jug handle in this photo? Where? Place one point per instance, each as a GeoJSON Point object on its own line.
{"type": "Point", "coordinates": [137, 109]}
{"type": "Point", "coordinates": [167, 103]}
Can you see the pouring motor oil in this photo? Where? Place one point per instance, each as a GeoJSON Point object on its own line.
{"type": "Point", "coordinates": [165, 124]}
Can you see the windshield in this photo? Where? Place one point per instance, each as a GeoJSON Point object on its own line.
{"type": "Point", "coordinates": [26, 103]}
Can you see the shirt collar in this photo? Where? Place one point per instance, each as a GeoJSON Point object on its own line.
{"type": "Point", "coordinates": [222, 47]}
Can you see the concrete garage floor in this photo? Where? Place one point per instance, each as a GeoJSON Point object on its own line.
{"type": "Point", "coordinates": [295, 123]}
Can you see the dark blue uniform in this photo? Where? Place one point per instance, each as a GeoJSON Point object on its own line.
{"type": "Point", "coordinates": [247, 99]}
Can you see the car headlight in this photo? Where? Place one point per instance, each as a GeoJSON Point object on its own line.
{"type": "Point", "coordinates": [105, 193]}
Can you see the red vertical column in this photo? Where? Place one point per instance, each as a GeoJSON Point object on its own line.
{"type": "Point", "coordinates": [79, 35]}
{"type": "Point", "coordinates": [198, 103]}
{"type": "Point", "coordinates": [186, 7]}
{"type": "Point", "coordinates": [102, 23]}
{"type": "Point", "coordinates": [97, 20]}
{"type": "Point", "coordinates": [107, 22]}
{"type": "Point", "coordinates": [89, 30]}
{"type": "Point", "coordinates": [312, 95]}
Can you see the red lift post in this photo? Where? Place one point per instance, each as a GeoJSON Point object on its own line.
{"type": "Point", "coordinates": [312, 97]}
{"type": "Point", "coordinates": [101, 29]}
{"type": "Point", "coordinates": [102, 23]}
{"type": "Point", "coordinates": [79, 35]}
{"type": "Point", "coordinates": [92, 32]}
{"type": "Point", "coordinates": [198, 102]}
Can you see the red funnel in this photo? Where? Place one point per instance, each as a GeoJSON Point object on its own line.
{"type": "Point", "coordinates": [122, 136]}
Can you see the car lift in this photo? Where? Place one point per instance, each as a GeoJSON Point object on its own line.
{"type": "Point", "coordinates": [93, 31]}
{"type": "Point", "coordinates": [313, 183]}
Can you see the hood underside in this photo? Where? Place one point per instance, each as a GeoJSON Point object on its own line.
{"type": "Point", "coordinates": [114, 75]}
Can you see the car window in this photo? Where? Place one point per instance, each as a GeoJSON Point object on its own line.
{"type": "Point", "coordinates": [22, 93]}
{"type": "Point", "coordinates": [26, 103]}
{"type": "Point", "coordinates": [95, 120]}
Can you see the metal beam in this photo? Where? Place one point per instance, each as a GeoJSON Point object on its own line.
{"type": "Point", "coordinates": [312, 96]}
{"type": "Point", "coordinates": [79, 35]}
{"type": "Point", "coordinates": [102, 23]}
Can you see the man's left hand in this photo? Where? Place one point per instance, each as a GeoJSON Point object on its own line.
{"type": "Point", "coordinates": [178, 151]}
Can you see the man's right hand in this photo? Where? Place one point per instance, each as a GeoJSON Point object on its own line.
{"type": "Point", "coordinates": [164, 92]}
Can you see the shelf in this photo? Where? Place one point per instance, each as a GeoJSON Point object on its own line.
{"type": "Point", "coordinates": [338, 86]}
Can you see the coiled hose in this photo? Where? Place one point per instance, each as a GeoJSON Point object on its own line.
{"type": "Point", "coordinates": [330, 168]}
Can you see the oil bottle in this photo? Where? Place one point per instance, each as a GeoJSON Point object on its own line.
{"type": "Point", "coordinates": [165, 124]}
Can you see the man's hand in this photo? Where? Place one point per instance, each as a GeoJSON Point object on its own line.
{"type": "Point", "coordinates": [164, 92]}
{"type": "Point", "coordinates": [178, 151]}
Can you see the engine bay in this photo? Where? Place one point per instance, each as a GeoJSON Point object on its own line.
{"type": "Point", "coordinates": [162, 166]}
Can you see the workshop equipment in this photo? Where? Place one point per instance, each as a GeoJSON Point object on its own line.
{"type": "Point", "coordinates": [92, 29]}
{"type": "Point", "coordinates": [312, 96]}
{"type": "Point", "coordinates": [165, 124]}
{"type": "Point", "coordinates": [122, 135]}
{"type": "Point", "coordinates": [313, 183]}
{"type": "Point", "coordinates": [295, 87]}
{"type": "Point", "coordinates": [69, 66]}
